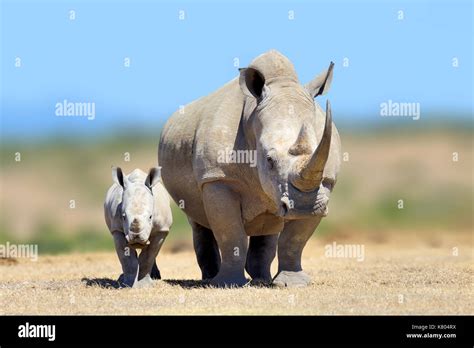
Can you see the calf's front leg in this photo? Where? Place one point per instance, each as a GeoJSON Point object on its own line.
{"type": "Point", "coordinates": [147, 258]}
{"type": "Point", "coordinates": [128, 259]}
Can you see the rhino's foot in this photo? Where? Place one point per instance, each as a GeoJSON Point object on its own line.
{"type": "Point", "coordinates": [228, 280]}
{"type": "Point", "coordinates": [145, 282]}
{"type": "Point", "coordinates": [126, 281]}
{"type": "Point", "coordinates": [261, 282]}
{"type": "Point", "coordinates": [209, 274]}
{"type": "Point", "coordinates": [292, 279]}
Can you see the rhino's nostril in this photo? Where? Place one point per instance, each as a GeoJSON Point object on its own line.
{"type": "Point", "coordinates": [135, 226]}
{"type": "Point", "coordinates": [285, 205]}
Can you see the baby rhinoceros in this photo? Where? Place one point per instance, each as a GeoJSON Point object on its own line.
{"type": "Point", "coordinates": [138, 214]}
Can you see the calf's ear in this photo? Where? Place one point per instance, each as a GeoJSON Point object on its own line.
{"type": "Point", "coordinates": [118, 177]}
{"type": "Point", "coordinates": [153, 177]}
{"type": "Point", "coordinates": [252, 82]}
{"type": "Point", "coordinates": [321, 83]}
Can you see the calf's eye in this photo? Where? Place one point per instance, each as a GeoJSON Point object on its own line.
{"type": "Point", "coordinates": [271, 162]}
{"type": "Point", "coordinates": [151, 217]}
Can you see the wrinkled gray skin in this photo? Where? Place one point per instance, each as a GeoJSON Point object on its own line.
{"type": "Point", "coordinates": [280, 202]}
{"type": "Point", "coordinates": [138, 214]}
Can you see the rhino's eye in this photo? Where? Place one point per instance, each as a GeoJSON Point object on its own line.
{"type": "Point", "coordinates": [150, 217]}
{"type": "Point", "coordinates": [271, 162]}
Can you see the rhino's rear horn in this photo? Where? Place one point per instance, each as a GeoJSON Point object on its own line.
{"type": "Point", "coordinates": [311, 175]}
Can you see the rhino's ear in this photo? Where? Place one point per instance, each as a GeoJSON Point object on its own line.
{"type": "Point", "coordinates": [118, 177]}
{"type": "Point", "coordinates": [153, 177]}
{"type": "Point", "coordinates": [321, 83]}
{"type": "Point", "coordinates": [252, 82]}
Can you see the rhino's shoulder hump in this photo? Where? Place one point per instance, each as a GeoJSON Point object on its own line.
{"type": "Point", "coordinates": [217, 130]}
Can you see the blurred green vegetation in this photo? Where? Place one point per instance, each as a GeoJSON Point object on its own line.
{"type": "Point", "coordinates": [386, 165]}
{"type": "Point", "coordinates": [52, 240]}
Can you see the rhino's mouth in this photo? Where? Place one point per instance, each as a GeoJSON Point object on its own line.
{"type": "Point", "coordinates": [138, 245]}
{"type": "Point", "coordinates": [299, 205]}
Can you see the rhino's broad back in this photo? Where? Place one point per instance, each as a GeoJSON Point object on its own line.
{"type": "Point", "coordinates": [189, 153]}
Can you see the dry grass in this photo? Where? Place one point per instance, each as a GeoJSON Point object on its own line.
{"type": "Point", "coordinates": [427, 274]}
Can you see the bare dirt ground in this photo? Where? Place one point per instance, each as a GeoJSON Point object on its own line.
{"type": "Point", "coordinates": [399, 275]}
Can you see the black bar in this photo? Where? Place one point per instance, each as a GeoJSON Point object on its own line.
{"type": "Point", "coordinates": [240, 330]}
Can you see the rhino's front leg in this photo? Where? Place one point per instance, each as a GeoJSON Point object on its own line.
{"type": "Point", "coordinates": [290, 248]}
{"type": "Point", "coordinates": [222, 206]}
{"type": "Point", "coordinates": [128, 259]}
{"type": "Point", "coordinates": [148, 256]}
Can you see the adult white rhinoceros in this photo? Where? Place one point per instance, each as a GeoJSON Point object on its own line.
{"type": "Point", "coordinates": [278, 199]}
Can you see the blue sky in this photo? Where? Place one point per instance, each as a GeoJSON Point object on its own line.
{"type": "Point", "coordinates": [173, 61]}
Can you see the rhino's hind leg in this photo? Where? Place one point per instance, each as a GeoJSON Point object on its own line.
{"type": "Point", "coordinates": [290, 248]}
{"type": "Point", "coordinates": [206, 249]}
{"type": "Point", "coordinates": [262, 251]}
{"type": "Point", "coordinates": [155, 272]}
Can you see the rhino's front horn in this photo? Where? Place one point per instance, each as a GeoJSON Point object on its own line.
{"type": "Point", "coordinates": [311, 175]}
